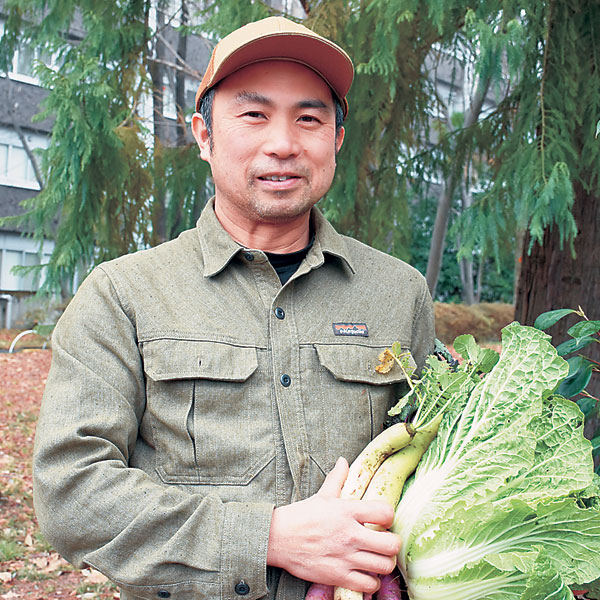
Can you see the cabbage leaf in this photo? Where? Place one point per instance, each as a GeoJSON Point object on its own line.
{"type": "Point", "coordinates": [504, 503]}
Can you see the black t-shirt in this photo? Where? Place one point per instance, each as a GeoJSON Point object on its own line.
{"type": "Point", "coordinates": [286, 264]}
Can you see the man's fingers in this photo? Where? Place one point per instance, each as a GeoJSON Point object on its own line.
{"type": "Point", "coordinates": [361, 581]}
{"type": "Point", "coordinates": [334, 482]}
{"type": "Point", "coordinates": [384, 543]}
{"type": "Point", "coordinates": [377, 512]}
{"type": "Point", "coordinates": [375, 564]}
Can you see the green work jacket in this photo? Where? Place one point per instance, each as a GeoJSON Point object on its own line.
{"type": "Point", "coordinates": [190, 393]}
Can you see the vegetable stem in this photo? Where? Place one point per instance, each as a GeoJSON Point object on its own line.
{"type": "Point", "coordinates": [389, 479]}
{"type": "Point", "coordinates": [368, 461]}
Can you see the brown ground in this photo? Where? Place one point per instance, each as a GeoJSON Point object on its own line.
{"type": "Point", "coordinates": [484, 321]}
{"type": "Point", "coordinates": [29, 568]}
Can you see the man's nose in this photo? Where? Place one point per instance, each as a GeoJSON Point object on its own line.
{"type": "Point", "coordinates": [282, 140]}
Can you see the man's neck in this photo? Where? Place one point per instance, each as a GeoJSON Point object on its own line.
{"type": "Point", "coordinates": [279, 237]}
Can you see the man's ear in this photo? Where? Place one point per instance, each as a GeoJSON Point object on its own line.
{"type": "Point", "coordinates": [201, 135]}
{"type": "Point", "coordinates": [339, 139]}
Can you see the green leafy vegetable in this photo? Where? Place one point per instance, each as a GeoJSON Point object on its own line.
{"type": "Point", "coordinates": [504, 504]}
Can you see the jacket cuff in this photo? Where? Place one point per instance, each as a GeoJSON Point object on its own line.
{"type": "Point", "coordinates": [244, 550]}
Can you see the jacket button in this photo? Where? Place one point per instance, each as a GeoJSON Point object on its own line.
{"type": "Point", "coordinates": [286, 380]}
{"type": "Point", "coordinates": [164, 594]}
{"type": "Point", "coordinates": [242, 588]}
{"type": "Point", "coordinates": [249, 256]}
{"type": "Point", "coordinates": [280, 313]}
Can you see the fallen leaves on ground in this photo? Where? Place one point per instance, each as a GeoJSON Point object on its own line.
{"type": "Point", "coordinates": [29, 567]}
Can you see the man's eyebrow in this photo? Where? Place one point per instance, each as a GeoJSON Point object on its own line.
{"type": "Point", "coordinates": [312, 103]}
{"type": "Point", "coordinates": [246, 96]}
{"type": "Point", "coordinates": [253, 97]}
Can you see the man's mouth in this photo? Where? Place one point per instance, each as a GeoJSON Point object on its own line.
{"type": "Point", "coordinates": [278, 177]}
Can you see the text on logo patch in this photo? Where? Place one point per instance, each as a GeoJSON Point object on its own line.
{"type": "Point", "coordinates": [351, 329]}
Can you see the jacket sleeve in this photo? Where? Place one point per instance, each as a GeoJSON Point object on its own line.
{"type": "Point", "coordinates": [152, 540]}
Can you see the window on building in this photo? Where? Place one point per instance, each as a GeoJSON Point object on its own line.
{"type": "Point", "coordinates": [16, 169]}
{"type": "Point", "coordinates": [30, 281]}
{"type": "Point", "coordinates": [10, 280]}
{"type": "Point", "coordinates": [3, 158]}
{"type": "Point", "coordinates": [25, 60]}
{"type": "Point", "coordinates": [20, 282]}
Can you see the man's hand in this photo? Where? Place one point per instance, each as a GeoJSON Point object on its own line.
{"type": "Point", "coordinates": [323, 539]}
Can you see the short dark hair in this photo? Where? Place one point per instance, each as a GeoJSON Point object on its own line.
{"type": "Point", "coordinates": [206, 109]}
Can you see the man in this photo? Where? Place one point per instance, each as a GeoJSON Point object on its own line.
{"type": "Point", "coordinates": [201, 390]}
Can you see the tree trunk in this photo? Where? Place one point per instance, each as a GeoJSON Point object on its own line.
{"type": "Point", "coordinates": [551, 278]}
{"type": "Point", "coordinates": [466, 280]}
{"type": "Point", "coordinates": [466, 264]}
{"type": "Point", "coordinates": [438, 236]}
{"type": "Point", "coordinates": [520, 245]}
{"type": "Point", "coordinates": [180, 79]}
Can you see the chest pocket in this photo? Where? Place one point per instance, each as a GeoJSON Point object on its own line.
{"type": "Point", "coordinates": [354, 400]}
{"type": "Point", "coordinates": [209, 422]}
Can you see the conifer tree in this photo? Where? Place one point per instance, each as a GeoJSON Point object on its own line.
{"type": "Point", "coordinates": [104, 181]}
{"type": "Point", "coordinates": [545, 154]}
{"type": "Point", "coordinates": [115, 180]}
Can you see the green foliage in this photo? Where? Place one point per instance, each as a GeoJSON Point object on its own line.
{"type": "Point", "coordinates": [111, 188]}
{"type": "Point", "coordinates": [547, 319]}
{"type": "Point", "coordinates": [188, 185]}
{"type": "Point", "coordinates": [104, 172]}
{"type": "Point", "coordinates": [221, 18]}
{"type": "Point", "coordinates": [541, 137]}
{"type": "Point", "coordinates": [497, 271]}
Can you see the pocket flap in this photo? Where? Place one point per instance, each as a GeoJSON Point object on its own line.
{"type": "Point", "coordinates": [353, 362]}
{"type": "Point", "coordinates": [188, 359]}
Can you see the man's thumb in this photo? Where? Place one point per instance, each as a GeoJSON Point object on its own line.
{"type": "Point", "coordinates": [332, 486]}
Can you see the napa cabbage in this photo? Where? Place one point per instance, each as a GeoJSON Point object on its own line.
{"type": "Point", "coordinates": [504, 504]}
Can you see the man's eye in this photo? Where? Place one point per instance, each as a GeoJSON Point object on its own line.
{"type": "Point", "coordinates": [308, 119]}
{"type": "Point", "coordinates": [253, 114]}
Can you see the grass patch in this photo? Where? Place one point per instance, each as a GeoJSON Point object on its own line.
{"type": "Point", "coordinates": [10, 550]}
{"type": "Point", "coordinates": [41, 543]}
{"type": "Point", "coordinates": [33, 574]}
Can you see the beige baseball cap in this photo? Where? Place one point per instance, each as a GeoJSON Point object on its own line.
{"type": "Point", "coordinates": [278, 38]}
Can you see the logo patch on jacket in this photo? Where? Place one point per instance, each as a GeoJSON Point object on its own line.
{"type": "Point", "coordinates": [352, 329]}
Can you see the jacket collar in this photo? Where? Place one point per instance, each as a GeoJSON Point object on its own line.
{"type": "Point", "coordinates": [218, 247]}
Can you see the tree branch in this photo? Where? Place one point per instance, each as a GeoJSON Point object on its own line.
{"type": "Point", "coordinates": [306, 6]}
{"type": "Point", "coordinates": [186, 69]}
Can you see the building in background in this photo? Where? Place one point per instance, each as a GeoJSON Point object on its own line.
{"type": "Point", "coordinates": [21, 137]}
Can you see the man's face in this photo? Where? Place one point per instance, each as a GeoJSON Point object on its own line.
{"type": "Point", "coordinates": [274, 141]}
